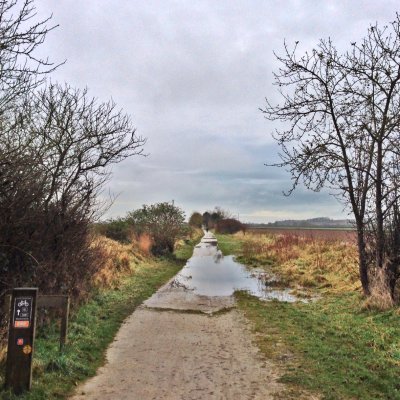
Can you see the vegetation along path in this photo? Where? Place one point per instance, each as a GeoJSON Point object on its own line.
{"type": "Point", "coordinates": [184, 345]}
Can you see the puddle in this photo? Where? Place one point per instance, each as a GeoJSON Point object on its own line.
{"type": "Point", "coordinates": [210, 273]}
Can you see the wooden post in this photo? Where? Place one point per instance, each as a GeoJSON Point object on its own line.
{"type": "Point", "coordinates": [61, 302]}
{"type": "Point", "coordinates": [64, 323]}
{"type": "Point", "coordinates": [21, 337]}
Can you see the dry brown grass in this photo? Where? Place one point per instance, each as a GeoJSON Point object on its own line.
{"type": "Point", "coordinates": [329, 264]}
{"type": "Point", "coordinates": [380, 298]}
{"type": "Point", "coordinates": [117, 259]}
{"type": "Point", "coordinates": [114, 261]}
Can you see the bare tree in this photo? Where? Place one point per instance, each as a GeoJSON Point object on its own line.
{"type": "Point", "coordinates": [342, 120]}
{"type": "Point", "coordinates": [77, 139]}
{"type": "Point", "coordinates": [57, 146]}
{"type": "Point", "coordinates": [20, 36]}
{"type": "Point", "coordinates": [20, 72]}
{"type": "Point", "coordinates": [64, 143]}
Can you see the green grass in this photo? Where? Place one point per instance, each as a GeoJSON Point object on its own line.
{"type": "Point", "coordinates": [330, 347]}
{"type": "Point", "coordinates": [228, 244]}
{"type": "Point", "coordinates": [185, 251]}
{"type": "Point", "coordinates": [91, 329]}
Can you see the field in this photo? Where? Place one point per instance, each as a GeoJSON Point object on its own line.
{"type": "Point", "coordinates": [310, 259]}
{"type": "Point", "coordinates": [348, 235]}
{"type": "Point", "coordinates": [334, 345]}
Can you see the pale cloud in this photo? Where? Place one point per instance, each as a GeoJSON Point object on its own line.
{"type": "Point", "coordinates": [193, 75]}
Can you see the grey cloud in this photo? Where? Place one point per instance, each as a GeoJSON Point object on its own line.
{"type": "Point", "coordinates": [193, 75]}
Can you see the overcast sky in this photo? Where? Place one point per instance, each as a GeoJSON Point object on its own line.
{"type": "Point", "coordinates": [193, 75]}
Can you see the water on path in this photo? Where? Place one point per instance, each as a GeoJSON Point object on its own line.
{"type": "Point", "coordinates": [209, 273]}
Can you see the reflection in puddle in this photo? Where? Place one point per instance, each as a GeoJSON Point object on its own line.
{"type": "Point", "coordinates": [209, 273]}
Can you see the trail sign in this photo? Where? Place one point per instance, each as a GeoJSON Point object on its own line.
{"type": "Point", "coordinates": [20, 339]}
{"type": "Point", "coordinates": [22, 312]}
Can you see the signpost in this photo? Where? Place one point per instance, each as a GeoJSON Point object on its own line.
{"type": "Point", "coordinates": [21, 339]}
{"type": "Point", "coordinates": [61, 302]}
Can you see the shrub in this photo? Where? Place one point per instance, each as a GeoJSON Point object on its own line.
{"type": "Point", "coordinates": [196, 220]}
{"type": "Point", "coordinates": [229, 225]}
{"type": "Point", "coordinates": [162, 222]}
{"type": "Point", "coordinates": [118, 229]}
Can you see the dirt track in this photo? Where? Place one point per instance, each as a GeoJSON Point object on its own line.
{"type": "Point", "coordinates": [179, 355]}
{"type": "Point", "coordinates": [180, 345]}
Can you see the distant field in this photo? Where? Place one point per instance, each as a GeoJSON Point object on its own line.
{"type": "Point", "coordinates": [343, 234]}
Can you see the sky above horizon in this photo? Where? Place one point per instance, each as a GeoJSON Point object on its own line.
{"type": "Point", "coordinates": [193, 76]}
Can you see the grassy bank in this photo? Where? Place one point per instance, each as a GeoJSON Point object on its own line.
{"type": "Point", "coordinates": [93, 327]}
{"type": "Point", "coordinates": [333, 346]}
{"type": "Point", "coordinates": [330, 346]}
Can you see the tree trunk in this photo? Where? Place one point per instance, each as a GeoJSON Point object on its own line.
{"type": "Point", "coordinates": [378, 207]}
{"type": "Point", "coordinates": [392, 276]}
{"type": "Point", "coordinates": [362, 260]}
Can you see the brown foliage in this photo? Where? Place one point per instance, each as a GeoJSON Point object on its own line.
{"type": "Point", "coordinates": [229, 225]}
{"type": "Point", "coordinates": [145, 243]}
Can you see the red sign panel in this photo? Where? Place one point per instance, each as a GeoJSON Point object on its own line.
{"type": "Point", "coordinates": [21, 324]}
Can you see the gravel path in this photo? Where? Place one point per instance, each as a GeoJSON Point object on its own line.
{"type": "Point", "coordinates": [182, 345]}
{"type": "Point", "coordinates": [181, 355]}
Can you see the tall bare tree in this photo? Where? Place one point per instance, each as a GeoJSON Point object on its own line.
{"type": "Point", "coordinates": [57, 145]}
{"type": "Point", "coordinates": [341, 115]}
{"type": "Point", "coordinates": [20, 36]}
{"type": "Point", "coordinates": [21, 70]}
{"type": "Point", "coordinates": [65, 143]}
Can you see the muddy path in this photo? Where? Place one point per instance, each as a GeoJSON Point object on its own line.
{"type": "Point", "coordinates": [181, 344]}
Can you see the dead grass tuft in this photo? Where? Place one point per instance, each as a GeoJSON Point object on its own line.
{"type": "Point", "coordinates": [115, 260]}
{"type": "Point", "coordinates": [380, 298]}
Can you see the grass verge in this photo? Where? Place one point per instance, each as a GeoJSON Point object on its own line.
{"type": "Point", "coordinates": [330, 347]}
{"type": "Point", "coordinates": [92, 328]}
{"type": "Point", "coordinates": [184, 248]}
{"type": "Point", "coordinates": [333, 347]}
{"type": "Point", "coordinates": [229, 244]}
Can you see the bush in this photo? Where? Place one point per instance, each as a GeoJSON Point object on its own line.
{"type": "Point", "coordinates": [163, 222]}
{"type": "Point", "coordinates": [211, 218]}
{"type": "Point", "coordinates": [118, 229]}
{"type": "Point", "coordinates": [196, 220]}
{"type": "Point", "coordinates": [229, 225]}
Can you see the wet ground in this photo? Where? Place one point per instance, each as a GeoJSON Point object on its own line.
{"type": "Point", "coordinates": [178, 345]}
{"type": "Point", "coordinates": [209, 273]}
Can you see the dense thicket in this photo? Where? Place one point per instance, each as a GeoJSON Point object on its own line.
{"type": "Point", "coordinates": [118, 229]}
{"type": "Point", "coordinates": [56, 148]}
{"type": "Point", "coordinates": [54, 161]}
{"type": "Point", "coordinates": [196, 220]}
{"type": "Point", "coordinates": [210, 218]}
